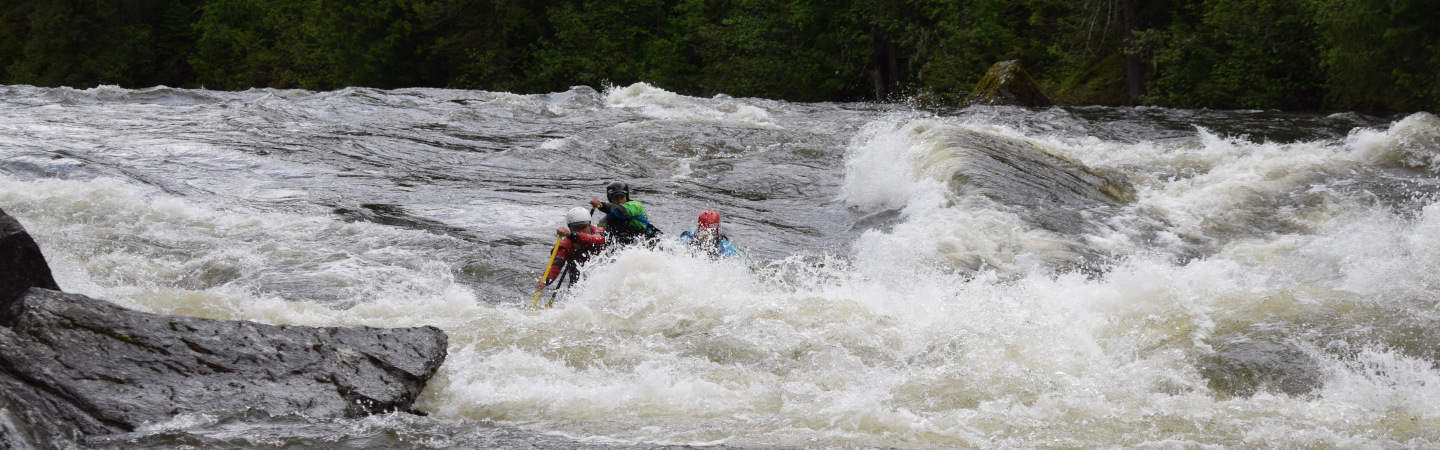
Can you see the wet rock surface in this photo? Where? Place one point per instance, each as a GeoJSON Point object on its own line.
{"type": "Point", "coordinates": [70, 363]}
{"type": "Point", "coordinates": [21, 263]}
{"type": "Point", "coordinates": [1242, 367]}
{"type": "Point", "coordinates": [1051, 191]}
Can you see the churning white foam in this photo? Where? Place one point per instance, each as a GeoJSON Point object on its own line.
{"type": "Point", "coordinates": [1147, 318]}
{"type": "Point", "coordinates": [149, 251]}
{"type": "Point", "coordinates": [905, 162]}
{"type": "Point", "coordinates": [944, 331]}
{"type": "Point", "coordinates": [1411, 142]}
{"type": "Point", "coordinates": [882, 166]}
{"type": "Point", "coordinates": [661, 104]}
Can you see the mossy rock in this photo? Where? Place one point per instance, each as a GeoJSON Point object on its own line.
{"type": "Point", "coordinates": [1006, 83]}
{"type": "Point", "coordinates": [1103, 83]}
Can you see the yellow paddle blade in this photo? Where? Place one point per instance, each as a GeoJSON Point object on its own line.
{"type": "Point", "coordinates": [535, 303]}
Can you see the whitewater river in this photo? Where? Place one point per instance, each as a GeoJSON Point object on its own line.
{"type": "Point", "coordinates": [1165, 278]}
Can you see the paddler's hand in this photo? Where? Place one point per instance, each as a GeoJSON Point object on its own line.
{"type": "Point", "coordinates": [595, 202]}
{"type": "Point", "coordinates": [539, 285]}
{"type": "Point", "coordinates": [562, 231]}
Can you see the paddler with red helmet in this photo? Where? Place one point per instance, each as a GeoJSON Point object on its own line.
{"type": "Point", "coordinates": [707, 237]}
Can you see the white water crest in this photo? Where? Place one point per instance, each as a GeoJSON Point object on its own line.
{"type": "Point", "coordinates": [661, 104]}
{"type": "Point", "coordinates": [1252, 292]}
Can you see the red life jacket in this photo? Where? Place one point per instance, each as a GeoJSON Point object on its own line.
{"type": "Point", "coordinates": [588, 242]}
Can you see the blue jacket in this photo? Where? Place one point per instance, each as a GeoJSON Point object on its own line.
{"type": "Point", "coordinates": [723, 248]}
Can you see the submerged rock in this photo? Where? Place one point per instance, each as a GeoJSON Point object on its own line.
{"type": "Point", "coordinates": [1103, 83]}
{"type": "Point", "coordinates": [1243, 366]}
{"type": "Point", "coordinates": [1006, 83]}
{"type": "Point", "coordinates": [1040, 186]}
{"type": "Point", "coordinates": [1047, 189]}
{"type": "Point", "coordinates": [70, 363]}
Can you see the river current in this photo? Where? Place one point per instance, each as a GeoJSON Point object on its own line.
{"type": "Point", "coordinates": [1244, 278]}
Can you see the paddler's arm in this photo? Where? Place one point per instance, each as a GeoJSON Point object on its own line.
{"type": "Point", "coordinates": [614, 210]}
{"type": "Point", "coordinates": [588, 238]}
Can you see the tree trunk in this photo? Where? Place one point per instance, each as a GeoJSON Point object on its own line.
{"type": "Point", "coordinates": [883, 67]}
{"type": "Point", "coordinates": [1134, 64]}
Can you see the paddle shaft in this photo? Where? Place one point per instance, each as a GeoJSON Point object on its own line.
{"type": "Point", "coordinates": [560, 281]}
{"type": "Point", "coordinates": [534, 303]}
{"type": "Point", "coordinates": [546, 275]}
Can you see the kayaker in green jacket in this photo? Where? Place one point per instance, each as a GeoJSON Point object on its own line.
{"type": "Point", "coordinates": [624, 219]}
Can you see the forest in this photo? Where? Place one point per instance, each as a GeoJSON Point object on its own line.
{"type": "Point", "coordinates": [1371, 56]}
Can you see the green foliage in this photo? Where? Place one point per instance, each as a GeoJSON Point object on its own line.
{"type": "Point", "coordinates": [1238, 54]}
{"type": "Point", "coordinates": [312, 44]}
{"type": "Point", "coordinates": [788, 49]}
{"type": "Point", "coordinates": [1371, 55]}
{"type": "Point", "coordinates": [356, 43]}
{"type": "Point", "coordinates": [14, 30]}
{"type": "Point", "coordinates": [605, 41]}
{"type": "Point", "coordinates": [483, 44]}
{"type": "Point", "coordinates": [130, 43]}
{"type": "Point", "coordinates": [1380, 54]}
{"type": "Point", "coordinates": [237, 48]}
{"type": "Point", "coordinates": [949, 44]}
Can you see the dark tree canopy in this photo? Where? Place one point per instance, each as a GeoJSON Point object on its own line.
{"type": "Point", "coordinates": [1365, 55]}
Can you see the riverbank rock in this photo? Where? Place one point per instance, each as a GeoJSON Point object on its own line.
{"type": "Point", "coordinates": [1006, 83]}
{"type": "Point", "coordinates": [1103, 83]}
{"type": "Point", "coordinates": [70, 363]}
{"type": "Point", "coordinates": [21, 263]}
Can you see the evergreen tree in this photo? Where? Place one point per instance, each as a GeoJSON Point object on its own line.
{"type": "Point", "coordinates": [1236, 54]}
{"type": "Point", "coordinates": [1371, 55]}
{"type": "Point", "coordinates": [1380, 55]}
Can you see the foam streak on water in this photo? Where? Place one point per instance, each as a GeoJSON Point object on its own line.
{"type": "Point", "coordinates": [1246, 279]}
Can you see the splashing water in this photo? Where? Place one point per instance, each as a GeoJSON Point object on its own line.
{"type": "Point", "coordinates": [925, 280]}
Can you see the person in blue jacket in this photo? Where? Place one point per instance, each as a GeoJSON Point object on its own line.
{"type": "Point", "coordinates": [707, 237]}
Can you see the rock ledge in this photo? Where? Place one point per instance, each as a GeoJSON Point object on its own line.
{"type": "Point", "coordinates": [71, 364]}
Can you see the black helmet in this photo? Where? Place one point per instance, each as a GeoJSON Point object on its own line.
{"type": "Point", "coordinates": [616, 189]}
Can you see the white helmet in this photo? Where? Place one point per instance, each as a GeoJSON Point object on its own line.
{"type": "Point", "coordinates": [577, 215]}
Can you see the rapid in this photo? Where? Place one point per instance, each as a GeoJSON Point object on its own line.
{"type": "Point", "coordinates": [986, 276]}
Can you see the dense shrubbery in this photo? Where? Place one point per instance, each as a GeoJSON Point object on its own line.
{"type": "Point", "coordinates": [1368, 55]}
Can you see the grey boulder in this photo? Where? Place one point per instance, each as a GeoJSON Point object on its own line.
{"type": "Point", "coordinates": [71, 365]}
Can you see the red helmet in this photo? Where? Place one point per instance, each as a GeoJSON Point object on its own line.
{"type": "Point", "coordinates": [709, 219]}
